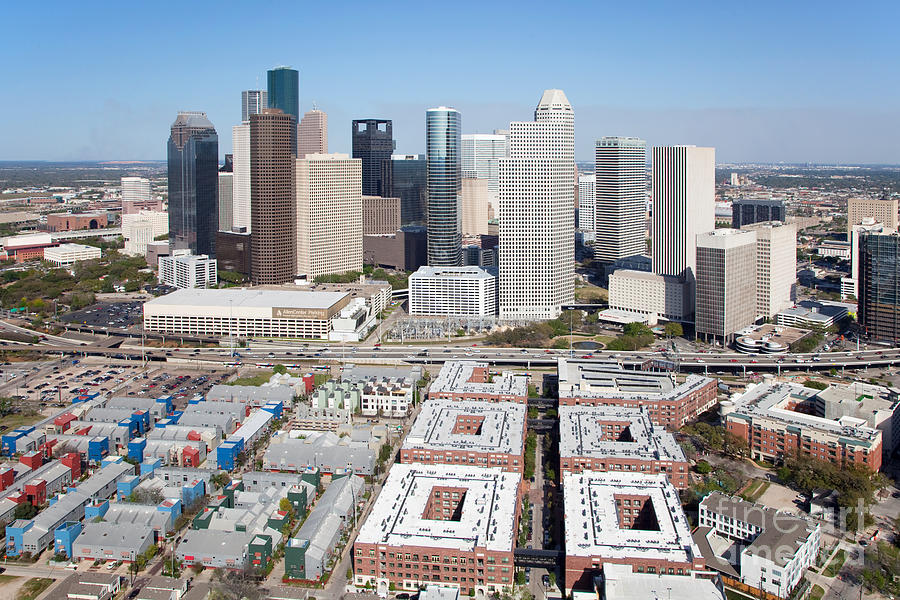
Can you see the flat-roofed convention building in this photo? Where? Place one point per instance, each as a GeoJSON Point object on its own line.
{"type": "Point", "coordinates": [245, 313]}
{"type": "Point", "coordinates": [778, 419]}
{"type": "Point", "coordinates": [68, 254]}
{"type": "Point", "coordinates": [671, 404]}
{"type": "Point", "coordinates": [618, 438]}
{"type": "Point", "coordinates": [472, 380]}
{"type": "Point", "coordinates": [628, 519]}
{"type": "Point", "coordinates": [428, 517]}
{"type": "Point", "coordinates": [454, 291]}
{"type": "Point", "coordinates": [485, 434]}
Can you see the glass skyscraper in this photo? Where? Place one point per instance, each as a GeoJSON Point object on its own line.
{"type": "Point", "coordinates": [373, 143]}
{"type": "Point", "coordinates": [193, 160]}
{"type": "Point", "coordinates": [442, 179]}
{"type": "Point", "coordinates": [403, 176]}
{"type": "Point", "coordinates": [284, 90]}
{"type": "Point", "coordinates": [879, 285]}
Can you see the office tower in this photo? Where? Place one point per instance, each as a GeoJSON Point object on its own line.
{"type": "Point", "coordinates": [475, 206]}
{"type": "Point", "coordinates": [193, 157]}
{"type": "Point", "coordinates": [881, 210]}
{"type": "Point", "coordinates": [240, 146]}
{"type": "Point", "coordinates": [403, 176]}
{"type": "Point", "coordinates": [735, 179]}
{"type": "Point", "coordinates": [879, 285]}
{"type": "Point", "coordinates": [313, 134]}
{"type": "Point", "coordinates": [373, 143]}
{"type": "Point", "coordinates": [850, 285]}
{"type": "Point", "coordinates": [586, 202]}
{"type": "Point", "coordinates": [135, 189]}
{"type": "Point", "coordinates": [746, 211]}
{"type": "Point", "coordinates": [480, 153]}
{"type": "Point", "coordinates": [329, 215]}
{"type": "Point", "coordinates": [684, 205]}
{"type": "Point", "coordinates": [226, 200]}
{"type": "Point", "coordinates": [620, 198]}
{"type": "Point", "coordinates": [252, 103]}
{"type": "Point", "coordinates": [380, 216]}
{"type": "Point", "coordinates": [284, 91]}
{"type": "Point", "coordinates": [537, 213]}
{"type": "Point", "coordinates": [726, 283]}
{"type": "Point", "coordinates": [776, 266]}
{"type": "Point", "coordinates": [273, 243]}
{"type": "Point", "coordinates": [142, 228]}
{"type": "Point", "coordinates": [442, 186]}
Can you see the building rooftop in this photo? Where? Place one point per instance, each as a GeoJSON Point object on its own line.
{"type": "Point", "coordinates": [485, 518]}
{"type": "Point", "coordinates": [456, 272]}
{"type": "Point", "coordinates": [592, 521]}
{"type": "Point", "coordinates": [248, 298]}
{"type": "Point", "coordinates": [500, 427]}
{"type": "Point", "coordinates": [115, 536]}
{"type": "Point", "coordinates": [620, 582]}
{"type": "Point", "coordinates": [461, 377]}
{"type": "Point", "coordinates": [583, 432]}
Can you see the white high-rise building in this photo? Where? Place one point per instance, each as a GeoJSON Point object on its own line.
{"type": "Point", "coordinates": [240, 196]}
{"type": "Point", "coordinates": [141, 228]}
{"type": "Point", "coordinates": [329, 214]}
{"type": "Point", "coordinates": [312, 133]}
{"type": "Point", "coordinates": [135, 189]}
{"type": "Point", "coordinates": [185, 270]}
{"type": "Point", "coordinates": [586, 200]}
{"type": "Point", "coordinates": [480, 153]}
{"type": "Point", "coordinates": [252, 103]}
{"type": "Point", "coordinates": [226, 200]}
{"type": "Point", "coordinates": [475, 206]}
{"type": "Point", "coordinates": [684, 205]}
{"type": "Point", "coordinates": [726, 298]}
{"type": "Point", "coordinates": [537, 213]}
{"type": "Point", "coordinates": [453, 291]}
{"type": "Point", "coordinates": [776, 266]}
{"type": "Point", "coordinates": [621, 198]}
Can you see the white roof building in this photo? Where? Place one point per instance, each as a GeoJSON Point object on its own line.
{"type": "Point", "coordinates": [496, 427]}
{"type": "Point", "coordinates": [68, 254]}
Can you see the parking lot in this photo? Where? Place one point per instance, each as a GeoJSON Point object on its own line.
{"type": "Point", "coordinates": [50, 383]}
{"type": "Point", "coordinates": [120, 315]}
{"type": "Point", "coordinates": [182, 383]}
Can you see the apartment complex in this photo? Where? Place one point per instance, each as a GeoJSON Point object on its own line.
{"type": "Point", "coordinates": [457, 291]}
{"type": "Point", "coordinates": [472, 380]}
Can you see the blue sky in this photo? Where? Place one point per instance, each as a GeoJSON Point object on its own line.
{"type": "Point", "coordinates": [760, 81]}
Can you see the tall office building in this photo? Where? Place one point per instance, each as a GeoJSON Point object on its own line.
{"type": "Point", "coordinates": [726, 283]}
{"type": "Point", "coordinates": [850, 285]}
{"type": "Point", "coordinates": [684, 205]}
{"type": "Point", "coordinates": [240, 195]}
{"type": "Point", "coordinates": [620, 198]}
{"type": "Point", "coordinates": [474, 206]}
{"type": "Point", "coordinates": [329, 215]}
{"type": "Point", "coordinates": [135, 189]}
{"type": "Point", "coordinates": [443, 186]}
{"type": "Point", "coordinates": [537, 213]}
{"type": "Point", "coordinates": [193, 166]}
{"type": "Point", "coordinates": [586, 202]}
{"type": "Point", "coordinates": [226, 200]}
{"type": "Point", "coordinates": [746, 211]}
{"type": "Point", "coordinates": [403, 176]}
{"type": "Point", "coordinates": [373, 143]}
{"type": "Point", "coordinates": [253, 102]}
{"type": "Point", "coordinates": [273, 243]}
{"type": "Point", "coordinates": [480, 153]}
{"type": "Point", "coordinates": [313, 134]}
{"type": "Point", "coordinates": [284, 91]}
{"type": "Point", "coordinates": [879, 285]}
{"type": "Point", "coordinates": [776, 266]}
{"type": "Point", "coordinates": [881, 210]}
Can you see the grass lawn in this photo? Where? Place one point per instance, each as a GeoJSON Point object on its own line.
{"type": "Point", "coordinates": [834, 567]}
{"type": "Point", "coordinates": [33, 588]}
{"type": "Point", "coordinates": [731, 594]}
{"type": "Point", "coordinates": [256, 380]}
{"type": "Point", "coordinates": [320, 378]}
{"type": "Point", "coordinates": [7, 578]}
{"type": "Point", "coordinates": [18, 420]}
{"type": "Point", "coordinates": [817, 593]}
{"type": "Point", "coordinates": [591, 294]}
{"type": "Point", "coordinates": [754, 490]}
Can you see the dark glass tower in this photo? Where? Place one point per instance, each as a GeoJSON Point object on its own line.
{"type": "Point", "coordinates": [284, 90]}
{"type": "Point", "coordinates": [750, 210]}
{"type": "Point", "coordinates": [879, 285]}
{"type": "Point", "coordinates": [403, 177]}
{"type": "Point", "coordinates": [193, 156]}
{"type": "Point", "coordinates": [373, 143]}
{"type": "Point", "coordinates": [442, 169]}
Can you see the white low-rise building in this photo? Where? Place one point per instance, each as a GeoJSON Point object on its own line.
{"type": "Point", "coordinates": [139, 229]}
{"type": "Point", "coordinates": [185, 270]}
{"type": "Point", "coordinates": [657, 296]}
{"type": "Point", "coordinates": [68, 254]}
{"type": "Point", "coordinates": [454, 291]}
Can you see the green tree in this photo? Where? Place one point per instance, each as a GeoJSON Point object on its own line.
{"type": "Point", "coordinates": [279, 369]}
{"type": "Point", "coordinates": [673, 329]}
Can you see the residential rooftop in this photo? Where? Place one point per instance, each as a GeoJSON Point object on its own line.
{"type": "Point", "coordinates": [500, 426]}
{"type": "Point", "coordinates": [584, 431]}
{"type": "Point", "coordinates": [472, 377]}
{"type": "Point", "coordinates": [586, 379]}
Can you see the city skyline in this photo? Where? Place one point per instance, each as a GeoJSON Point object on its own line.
{"type": "Point", "coordinates": [755, 102]}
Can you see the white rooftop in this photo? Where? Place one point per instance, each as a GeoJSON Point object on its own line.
{"type": "Point", "coordinates": [501, 428]}
{"type": "Point", "coordinates": [486, 519]}
{"type": "Point", "coordinates": [582, 434]}
{"type": "Point", "coordinates": [252, 298]}
{"type": "Point", "coordinates": [621, 583]}
{"type": "Point", "coordinates": [592, 522]}
{"type": "Point", "coordinates": [455, 272]}
{"type": "Point", "coordinates": [455, 377]}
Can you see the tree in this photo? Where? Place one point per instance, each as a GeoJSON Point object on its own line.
{"type": "Point", "coordinates": [673, 329]}
{"type": "Point", "coordinates": [279, 369]}
{"type": "Point", "coordinates": [26, 511]}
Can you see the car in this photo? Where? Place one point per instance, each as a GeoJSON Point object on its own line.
{"type": "Point", "coordinates": [545, 579]}
{"type": "Point", "coordinates": [402, 596]}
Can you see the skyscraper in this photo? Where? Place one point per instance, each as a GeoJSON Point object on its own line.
{"type": "Point", "coordinates": [481, 154]}
{"type": "Point", "coordinates": [193, 165]}
{"type": "Point", "coordinates": [373, 143]}
{"type": "Point", "coordinates": [879, 285]}
{"type": "Point", "coordinates": [226, 194]}
{"type": "Point", "coordinates": [253, 102]}
{"type": "Point", "coordinates": [882, 210]}
{"type": "Point", "coordinates": [443, 186]}
{"type": "Point", "coordinates": [587, 195]}
{"type": "Point", "coordinates": [620, 198]}
{"type": "Point", "coordinates": [284, 91]}
{"type": "Point", "coordinates": [726, 283]}
{"type": "Point", "coordinates": [776, 266]}
{"type": "Point", "coordinates": [313, 134]}
{"type": "Point", "coordinates": [537, 213]}
{"type": "Point", "coordinates": [403, 176]}
{"type": "Point", "coordinates": [746, 211]}
{"type": "Point", "coordinates": [135, 189]}
{"type": "Point", "coordinates": [474, 203]}
{"type": "Point", "coordinates": [329, 215]}
{"type": "Point", "coordinates": [273, 243]}
{"type": "Point", "coordinates": [240, 146]}
{"type": "Point", "coordinates": [684, 205]}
